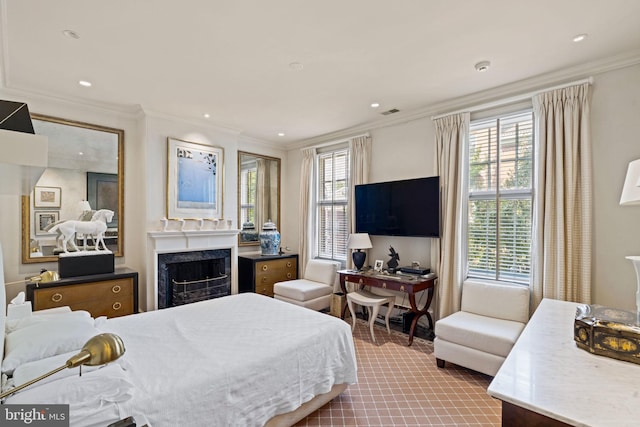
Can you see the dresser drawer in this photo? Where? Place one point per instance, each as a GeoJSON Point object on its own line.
{"type": "Point", "coordinates": [107, 298]}
{"type": "Point", "coordinates": [283, 269]}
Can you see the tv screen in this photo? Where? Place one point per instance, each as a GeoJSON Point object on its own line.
{"type": "Point", "coordinates": [410, 207]}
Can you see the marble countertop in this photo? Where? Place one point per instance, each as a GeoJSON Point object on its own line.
{"type": "Point", "coordinates": [547, 373]}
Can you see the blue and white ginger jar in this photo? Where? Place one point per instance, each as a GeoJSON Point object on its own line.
{"type": "Point", "coordinates": [269, 239]}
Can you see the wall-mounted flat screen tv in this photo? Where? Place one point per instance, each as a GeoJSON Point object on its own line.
{"type": "Point", "coordinates": [409, 207]}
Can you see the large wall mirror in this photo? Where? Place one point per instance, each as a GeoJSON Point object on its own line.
{"type": "Point", "coordinates": [85, 173]}
{"type": "Point", "coordinates": [258, 195]}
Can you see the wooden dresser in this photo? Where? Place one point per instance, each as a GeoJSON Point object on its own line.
{"type": "Point", "coordinates": [257, 273]}
{"type": "Point", "coordinates": [112, 294]}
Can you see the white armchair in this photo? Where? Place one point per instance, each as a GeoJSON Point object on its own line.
{"type": "Point", "coordinates": [314, 289]}
{"type": "Point", "coordinates": [482, 333]}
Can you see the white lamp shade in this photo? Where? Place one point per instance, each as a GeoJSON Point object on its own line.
{"type": "Point", "coordinates": [631, 189]}
{"type": "Point", "coordinates": [84, 206]}
{"type": "Point", "coordinates": [359, 241]}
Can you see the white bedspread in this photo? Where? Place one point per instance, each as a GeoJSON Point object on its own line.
{"type": "Point", "coordinates": [232, 361]}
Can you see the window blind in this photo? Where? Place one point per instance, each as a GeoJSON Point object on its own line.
{"type": "Point", "coordinates": [332, 197]}
{"type": "Point", "coordinates": [500, 189]}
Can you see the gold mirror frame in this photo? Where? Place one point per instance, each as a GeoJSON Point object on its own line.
{"type": "Point", "coordinates": [26, 200]}
{"type": "Point", "coordinates": [274, 199]}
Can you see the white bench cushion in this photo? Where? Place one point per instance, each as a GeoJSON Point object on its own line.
{"type": "Point", "coordinates": [508, 302]}
{"type": "Point", "coordinates": [488, 334]}
{"type": "Point", "coordinates": [322, 271]}
{"type": "Point", "coordinates": [301, 289]}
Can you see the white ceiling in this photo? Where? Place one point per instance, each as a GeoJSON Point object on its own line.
{"type": "Point", "coordinates": [231, 59]}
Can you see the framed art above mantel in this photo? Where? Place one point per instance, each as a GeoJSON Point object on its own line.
{"type": "Point", "coordinates": [194, 180]}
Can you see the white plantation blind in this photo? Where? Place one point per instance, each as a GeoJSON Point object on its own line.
{"type": "Point", "coordinates": [500, 198]}
{"type": "Point", "coordinates": [248, 196]}
{"type": "Point", "coordinates": [332, 199]}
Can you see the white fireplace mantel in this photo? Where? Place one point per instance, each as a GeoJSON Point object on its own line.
{"type": "Point", "coordinates": [162, 242]}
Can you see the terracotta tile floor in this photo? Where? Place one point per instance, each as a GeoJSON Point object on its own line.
{"type": "Point", "coordinates": [401, 386]}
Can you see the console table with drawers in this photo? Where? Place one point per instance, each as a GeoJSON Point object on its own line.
{"type": "Point", "coordinates": [257, 273]}
{"type": "Point", "coordinates": [110, 294]}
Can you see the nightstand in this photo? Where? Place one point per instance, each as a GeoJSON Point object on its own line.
{"type": "Point", "coordinates": [258, 273]}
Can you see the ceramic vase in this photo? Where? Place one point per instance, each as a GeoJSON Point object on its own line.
{"type": "Point", "coordinates": [269, 239]}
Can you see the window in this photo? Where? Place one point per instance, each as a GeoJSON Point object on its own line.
{"type": "Point", "coordinates": [500, 192]}
{"type": "Point", "coordinates": [248, 195]}
{"type": "Point", "coordinates": [332, 215]}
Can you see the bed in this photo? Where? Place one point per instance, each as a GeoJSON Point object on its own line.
{"type": "Point", "coordinates": [241, 360]}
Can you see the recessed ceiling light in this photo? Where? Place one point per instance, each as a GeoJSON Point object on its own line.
{"type": "Point", "coordinates": [84, 83]}
{"type": "Point", "coordinates": [579, 37]}
{"type": "Point", "coordinates": [71, 34]}
{"type": "Point", "coordinates": [296, 66]}
{"type": "Point", "coordinates": [280, 133]}
{"type": "Point", "coordinates": [375, 104]}
{"type": "Point", "coordinates": [206, 115]}
{"type": "Point", "coordinates": [482, 66]}
{"type": "Point", "coordinates": [80, 153]}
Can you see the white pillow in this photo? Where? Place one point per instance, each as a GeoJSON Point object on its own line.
{"type": "Point", "coordinates": [15, 324]}
{"type": "Point", "coordinates": [46, 339]}
{"type": "Point", "coordinates": [30, 370]}
{"type": "Point", "coordinates": [109, 384]}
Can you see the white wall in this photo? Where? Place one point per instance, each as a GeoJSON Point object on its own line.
{"type": "Point", "coordinates": [616, 141]}
{"type": "Point", "coordinates": [10, 215]}
{"type": "Point", "coordinates": [406, 151]}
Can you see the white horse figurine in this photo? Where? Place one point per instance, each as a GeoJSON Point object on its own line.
{"type": "Point", "coordinates": [96, 228]}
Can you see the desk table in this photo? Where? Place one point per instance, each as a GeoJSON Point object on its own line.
{"type": "Point", "coordinates": [410, 284]}
{"type": "Point", "coordinates": [548, 381]}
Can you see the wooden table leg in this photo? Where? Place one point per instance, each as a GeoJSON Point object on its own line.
{"type": "Point", "coordinates": [420, 313]}
{"type": "Point", "coordinates": [343, 286]}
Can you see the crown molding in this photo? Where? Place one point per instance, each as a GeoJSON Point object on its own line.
{"type": "Point", "coordinates": [205, 123]}
{"type": "Point", "coordinates": [539, 82]}
{"type": "Point", "coordinates": [117, 110]}
{"type": "Point", "coordinates": [242, 138]}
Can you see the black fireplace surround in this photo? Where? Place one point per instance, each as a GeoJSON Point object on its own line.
{"type": "Point", "coordinates": [187, 277]}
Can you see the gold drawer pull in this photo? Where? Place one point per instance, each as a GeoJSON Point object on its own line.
{"type": "Point", "coordinates": [384, 285]}
{"type": "Point", "coordinates": [116, 289]}
{"type": "Point", "coordinates": [264, 267]}
{"type": "Point", "coordinates": [57, 297]}
{"type": "Point", "coordinates": [360, 281]}
{"type": "Point", "coordinates": [117, 305]}
{"type": "Point", "coordinates": [402, 288]}
{"type": "Point", "coordinates": [289, 264]}
{"type": "Point", "coordinates": [289, 275]}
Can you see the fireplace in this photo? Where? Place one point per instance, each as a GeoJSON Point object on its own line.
{"type": "Point", "coordinates": [185, 246]}
{"type": "Point", "coordinates": [187, 277]}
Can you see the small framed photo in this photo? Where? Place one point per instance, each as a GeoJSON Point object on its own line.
{"type": "Point", "coordinates": [378, 265]}
{"type": "Point", "coordinates": [43, 219]}
{"type": "Point", "coordinates": [47, 197]}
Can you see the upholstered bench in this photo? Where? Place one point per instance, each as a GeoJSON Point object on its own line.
{"type": "Point", "coordinates": [314, 289]}
{"type": "Point", "coordinates": [481, 335]}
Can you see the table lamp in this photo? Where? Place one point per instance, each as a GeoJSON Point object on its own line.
{"type": "Point", "coordinates": [359, 241]}
{"type": "Point", "coordinates": [99, 350]}
{"type": "Point", "coordinates": [631, 196]}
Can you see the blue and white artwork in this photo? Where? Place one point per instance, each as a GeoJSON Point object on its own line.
{"type": "Point", "coordinates": [196, 179]}
{"type": "Point", "coordinates": [195, 173]}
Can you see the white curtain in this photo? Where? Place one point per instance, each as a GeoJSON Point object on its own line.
{"type": "Point", "coordinates": [447, 252]}
{"type": "Point", "coordinates": [562, 222]}
{"type": "Point", "coordinates": [305, 237]}
{"type": "Point", "coordinates": [360, 154]}
{"type": "Point", "coordinates": [262, 202]}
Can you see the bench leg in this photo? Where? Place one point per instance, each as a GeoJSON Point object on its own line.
{"type": "Point", "coordinates": [353, 314]}
{"type": "Point", "coordinates": [386, 318]}
{"type": "Point", "coordinates": [374, 315]}
{"type": "Point", "coordinates": [439, 363]}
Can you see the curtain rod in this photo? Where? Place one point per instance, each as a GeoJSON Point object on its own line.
{"type": "Point", "coordinates": [335, 141]}
{"type": "Point", "coordinates": [512, 99]}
